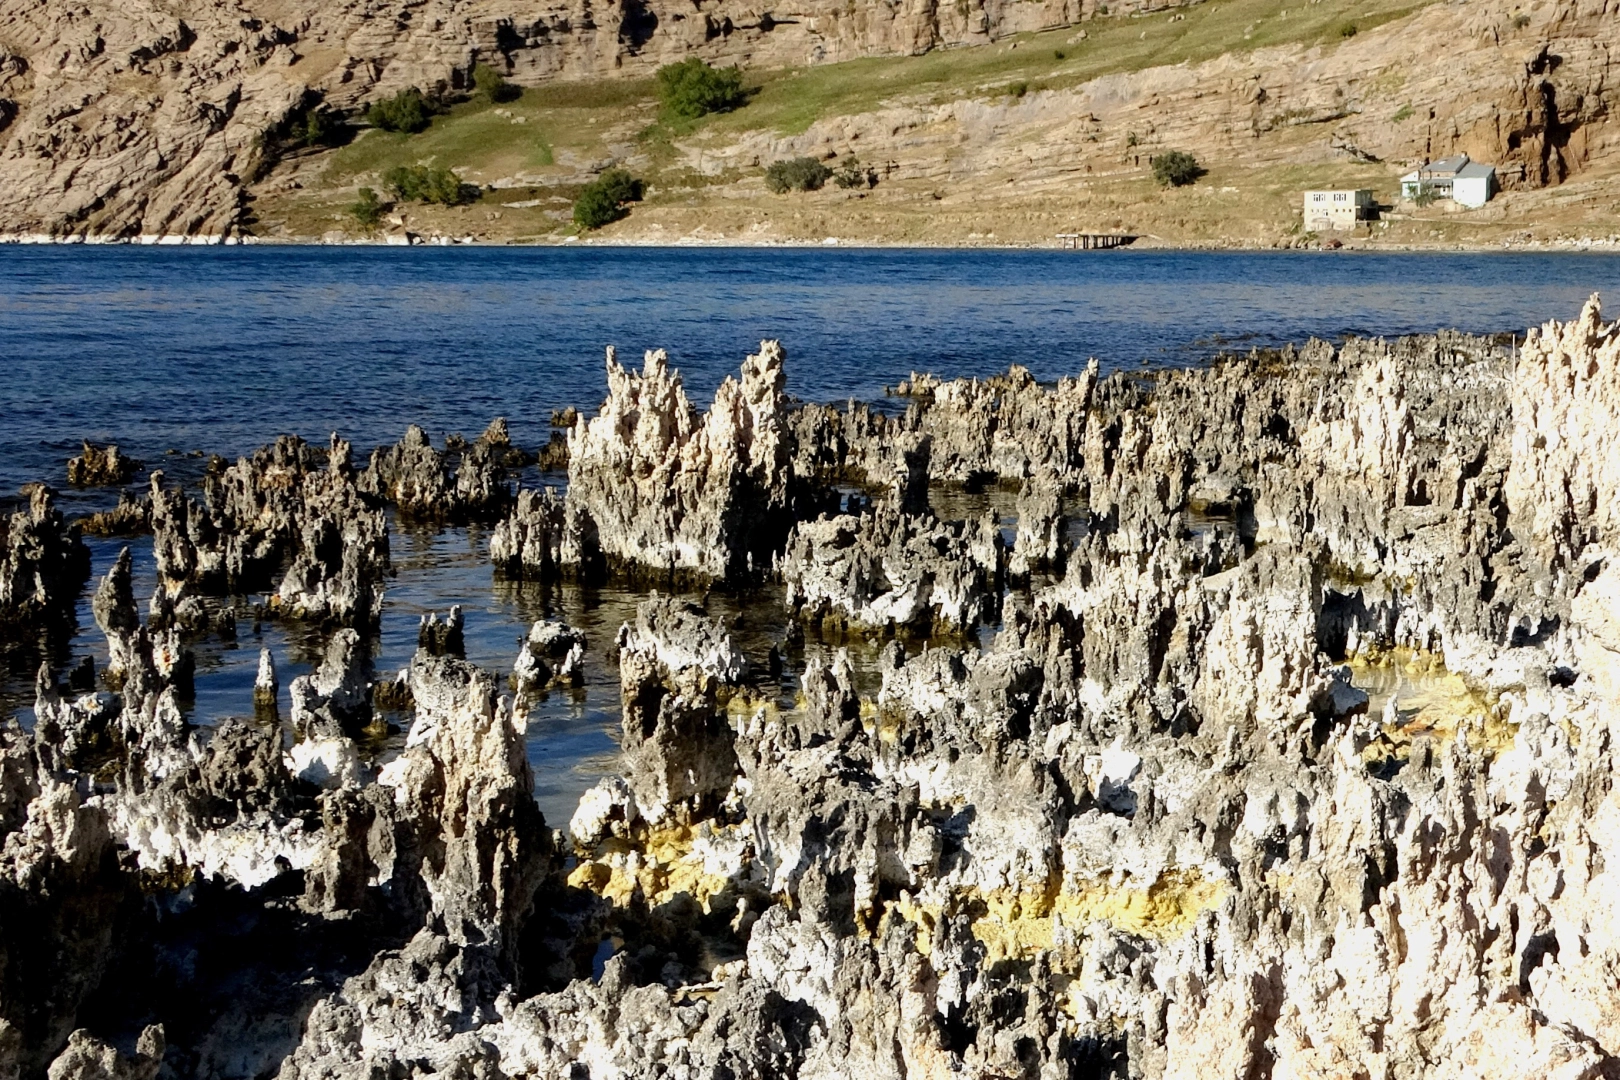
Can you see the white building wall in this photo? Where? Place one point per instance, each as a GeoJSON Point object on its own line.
{"type": "Point", "coordinates": [1471, 191]}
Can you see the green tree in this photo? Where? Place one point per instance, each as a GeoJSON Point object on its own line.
{"type": "Point", "coordinates": [317, 128]}
{"type": "Point", "coordinates": [603, 200]}
{"type": "Point", "coordinates": [489, 85]}
{"type": "Point", "coordinates": [423, 183]}
{"type": "Point", "coordinates": [368, 209]}
{"type": "Point", "coordinates": [796, 174]}
{"type": "Point", "coordinates": [692, 88]}
{"type": "Point", "coordinates": [620, 186]}
{"type": "Point", "coordinates": [1177, 168]}
{"type": "Point", "coordinates": [407, 111]}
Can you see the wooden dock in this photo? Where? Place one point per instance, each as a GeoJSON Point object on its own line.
{"type": "Point", "coordinates": [1075, 241]}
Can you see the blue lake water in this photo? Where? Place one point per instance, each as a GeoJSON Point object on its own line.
{"type": "Point", "coordinates": [220, 350]}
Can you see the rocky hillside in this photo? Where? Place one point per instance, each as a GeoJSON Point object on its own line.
{"type": "Point", "coordinates": [147, 118]}
{"type": "Point", "coordinates": [989, 120]}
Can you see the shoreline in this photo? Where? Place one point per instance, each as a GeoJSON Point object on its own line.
{"type": "Point", "coordinates": [1582, 244]}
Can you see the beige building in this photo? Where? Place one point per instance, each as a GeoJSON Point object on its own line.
{"type": "Point", "coordinates": [1326, 211]}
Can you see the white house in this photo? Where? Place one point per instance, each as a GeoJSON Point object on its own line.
{"type": "Point", "coordinates": [1325, 210]}
{"type": "Point", "coordinates": [1464, 182]}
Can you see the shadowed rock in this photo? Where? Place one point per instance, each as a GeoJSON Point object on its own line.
{"type": "Point", "coordinates": [43, 564]}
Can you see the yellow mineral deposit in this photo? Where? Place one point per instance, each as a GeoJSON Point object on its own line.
{"type": "Point", "coordinates": [1430, 700]}
{"type": "Point", "coordinates": [662, 865]}
{"type": "Point", "coordinates": [1017, 923]}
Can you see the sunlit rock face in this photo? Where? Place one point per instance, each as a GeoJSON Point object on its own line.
{"type": "Point", "coordinates": [657, 487]}
{"type": "Point", "coordinates": [1284, 752]}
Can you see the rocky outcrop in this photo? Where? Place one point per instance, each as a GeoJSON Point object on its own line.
{"type": "Point", "coordinates": [89, 1058]}
{"type": "Point", "coordinates": [889, 569]}
{"type": "Point", "coordinates": [336, 576]}
{"type": "Point", "coordinates": [131, 517]}
{"type": "Point", "coordinates": [1038, 544]}
{"type": "Point", "coordinates": [1565, 471]}
{"type": "Point", "coordinates": [446, 638]}
{"type": "Point", "coordinates": [966, 432]}
{"type": "Point", "coordinates": [657, 488]}
{"type": "Point", "coordinates": [444, 836]}
{"type": "Point", "coordinates": [1300, 766]}
{"type": "Point", "coordinates": [288, 505]}
{"type": "Point", "coordinates": [674, 665]}
{"type": "Point", "coordinates": [421, 482]}
{"type": "Point", "coordinates": [330, 708]}
{"type": "Point", "coordinates": [100, 466]}
{"type": "Point", "coordinates": [61, 903]}
{"type": "Point", "coordinates": [535, 540]}
{"type": "Point", "coordinates": [553, 655]}
{"type": "Point", "coordinates": [43, 564]}
{"type": "Point", "coordinates": [135, 119]}
{"type": "Point", "coordinates": [148, 121]}
{"type": "Point", "coordinates": [464, 781]}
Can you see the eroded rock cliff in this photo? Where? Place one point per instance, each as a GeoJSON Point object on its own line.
{"type": "Point", "coordinates": [146, 119]}
{"type": "Point", "coordinates": [156, 121]}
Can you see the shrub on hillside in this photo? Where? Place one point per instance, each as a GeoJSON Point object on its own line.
{"type": "Point", "coordinates": [1347, 30]}
{"type": "Point", "coordinates": [1177, 168]}
{"type": "Point", "coordinates": [491, 86]}
{"type": "Point", "coordinates": [368, 209]}
{"type": "Point", "coordinates": [423, 183]}
{"type": "Point", "coordinates": [692, 88]}
{"type": "Point", "coordinates": [796, 174]}
{"type": "Point", "coordinates": [603, 200]}
{"type": "Point", "coordinates": [852, 174]}
{"type": "Point", "coordinates": [407, 111]}
{"type": "Point", "coordinates": [317, 127]}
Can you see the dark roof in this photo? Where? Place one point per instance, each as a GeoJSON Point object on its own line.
{"type": "Point", "coordinates": [1456, 167]}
